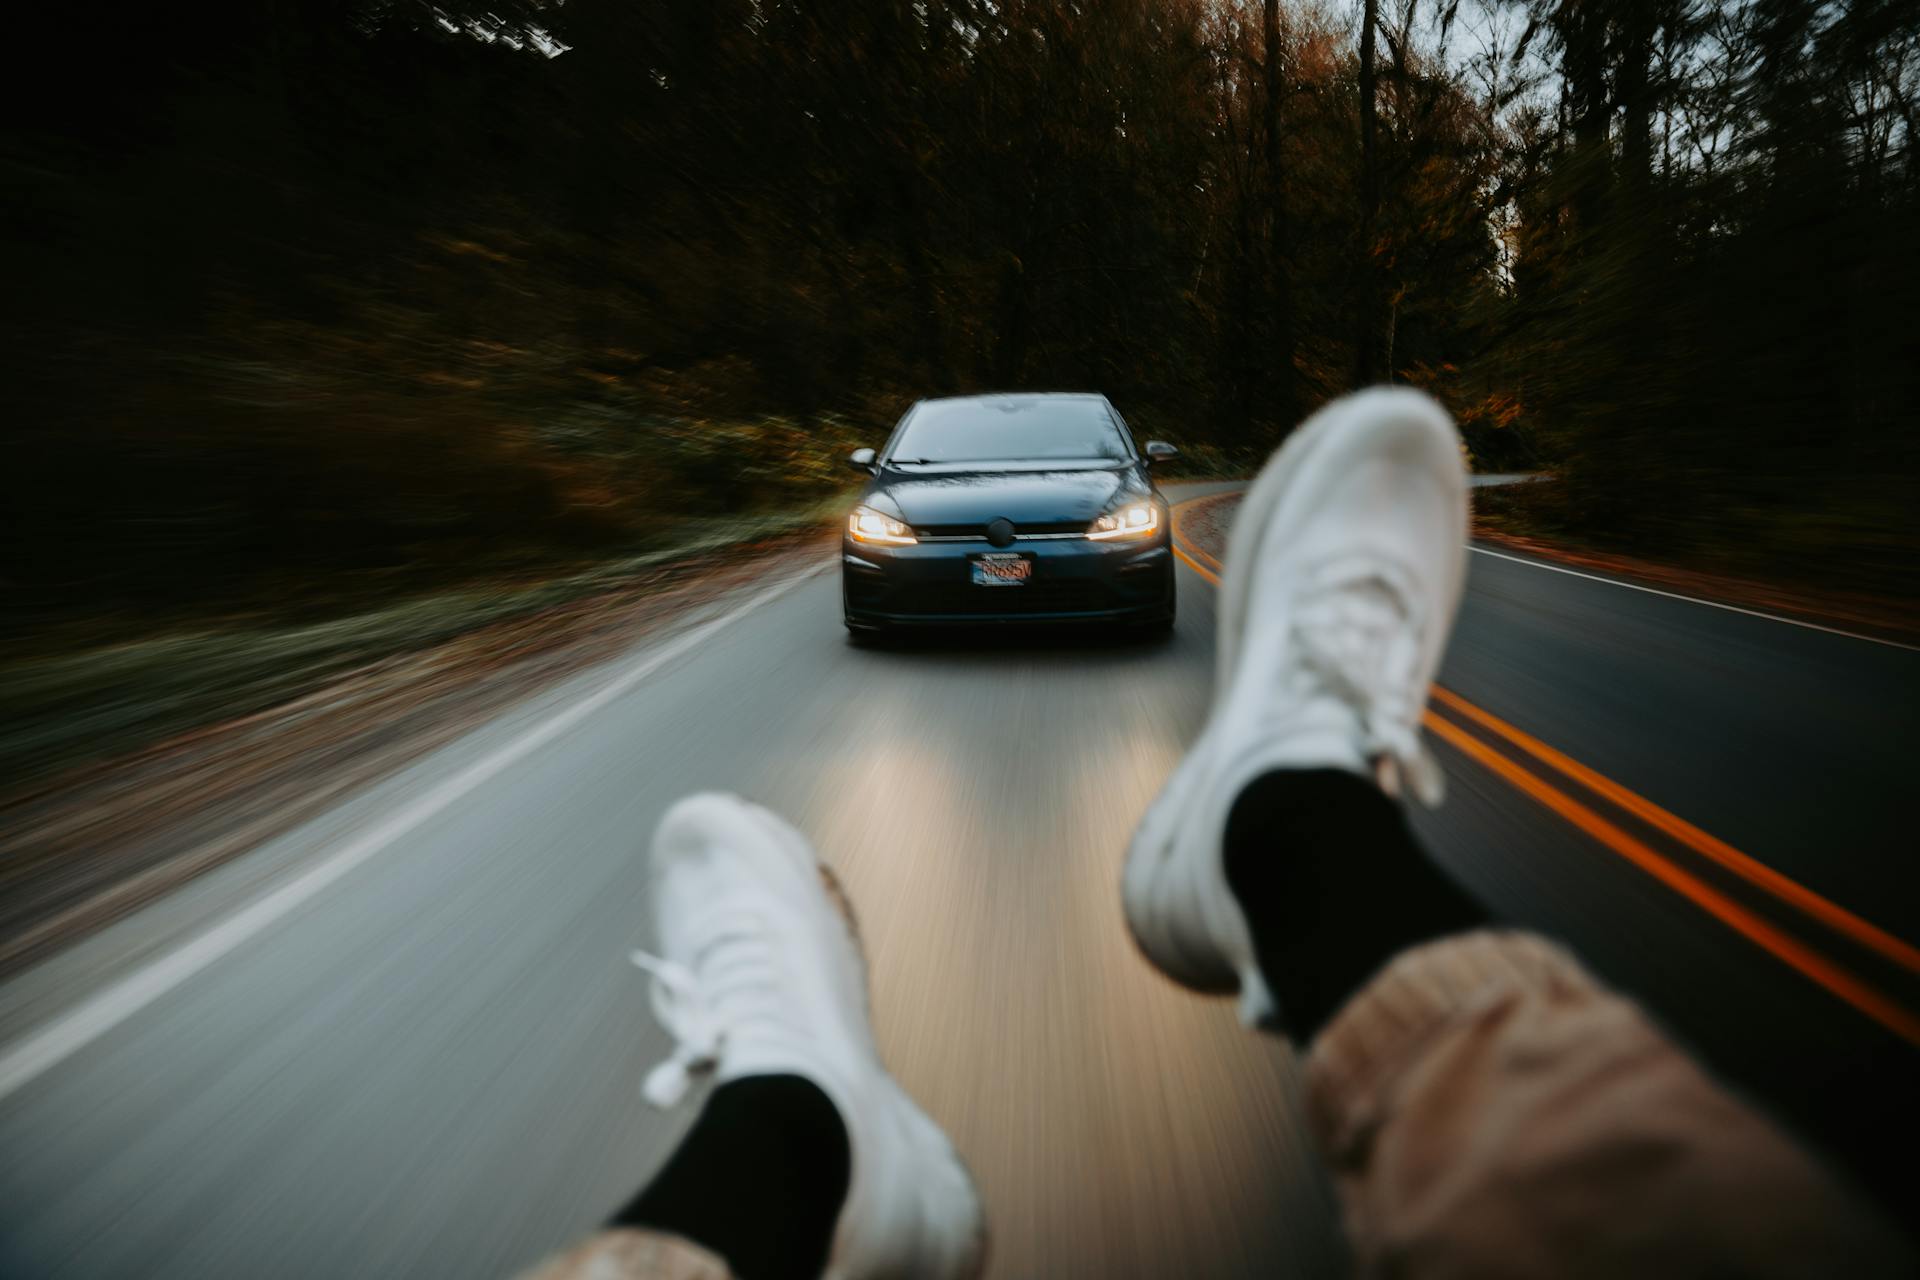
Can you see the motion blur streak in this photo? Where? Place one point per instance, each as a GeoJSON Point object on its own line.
{"type": "Point", "coordinates": [432, 1067]}
{"type": "Point", "coordinates": [1105, 1114]}
{"type": "Point", "coordinates": [1711, 604]}
{"type": "Point", "coordinates": [1736, 917]}
{"type": "Point", "coordinates": [1763, 934]}
{"type": "Point", "coordinates": [1828, 913]}
{"type": "Point", "coordinates": [49, 1046]}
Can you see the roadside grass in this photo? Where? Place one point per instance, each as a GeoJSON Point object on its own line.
{"type": "Point", "coordinates": [98, 702]}
{"type": "Point", "coordinates": [80, 691]}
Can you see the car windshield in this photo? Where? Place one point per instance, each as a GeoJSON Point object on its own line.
{"type": "Point", "coordinates": [1008, 429]}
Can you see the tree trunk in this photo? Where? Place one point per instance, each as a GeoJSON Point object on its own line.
{"type": "Point", "coordinates": [1278, 268]}
{"type": "Point", "coordinates": [1366, 329]}
{"type": "Point", "coordinates": [1582, 31]}
{"type": "Point", "coordinates": [1635, 92]}
{"type": "Point", "coordinates": [1393, 324]}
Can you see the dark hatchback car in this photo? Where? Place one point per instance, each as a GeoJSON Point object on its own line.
{"type": "Point", "coordinates": [1009, 508]}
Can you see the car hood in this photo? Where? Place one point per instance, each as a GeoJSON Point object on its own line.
{"type": "Point", "coordinates": [1024, 497]}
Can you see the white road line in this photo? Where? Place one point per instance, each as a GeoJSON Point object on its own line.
{"type": "Point", "coordinates": [1711, 604]}
{"type": "Point", "coordinates": [1671, 595]}
{"type": "Point", "coordinates": [93, 1018]}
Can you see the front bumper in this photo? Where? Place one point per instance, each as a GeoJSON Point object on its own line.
{"type": "Point", "coordinates": [1073, 580]}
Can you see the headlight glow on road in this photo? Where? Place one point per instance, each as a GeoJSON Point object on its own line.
{"type": "Point", "coordinates": [868, 525]}
{"type": "Point", "coordinates": [1136, 520]}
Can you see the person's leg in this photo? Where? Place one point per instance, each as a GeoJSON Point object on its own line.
{"type": "Point", "coordinates": [1344, 572]}
{"type": "Point", "coordinates": [1485, 1106]}
{"type": "Point", "coordinates": [1333, 886]}
{"type": "Point", "coordinates": [807, 1156]}
{"type": "Point", "coordinates": [759, 1179]}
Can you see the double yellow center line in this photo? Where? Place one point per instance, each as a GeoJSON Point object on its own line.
{"type": "Point", "coordinates": [1556, 767]}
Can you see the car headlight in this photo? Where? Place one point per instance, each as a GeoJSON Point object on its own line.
{"type": "Point", "coordinates": [1135, 520]}
{"type": "Point", "coordinates": [868, 525]}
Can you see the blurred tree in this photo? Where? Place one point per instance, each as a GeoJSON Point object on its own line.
{"type": "Point", "coordinates": [401, 285]}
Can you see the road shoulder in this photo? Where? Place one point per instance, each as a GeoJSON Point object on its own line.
{"type": "Point", "coordinates": [1205, 522]}
{"type": "Point", "coordinates": [96, 844]}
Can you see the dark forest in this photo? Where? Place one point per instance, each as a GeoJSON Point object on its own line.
{"type": "Point", "coordinates": [309, 290]}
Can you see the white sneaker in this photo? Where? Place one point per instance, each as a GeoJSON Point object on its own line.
{"type": "Point", "coordinates": [1343, 574]}
{"type": "Point", "coordinates": [761, 973]}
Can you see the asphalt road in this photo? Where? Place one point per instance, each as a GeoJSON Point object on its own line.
{"type": "Point", "coordinates": [404, 1041]}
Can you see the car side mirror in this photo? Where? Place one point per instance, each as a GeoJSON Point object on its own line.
{"type": "Point", "coordinates": [1160, 451]}
{"type": "Point", "coordinates": [861, 460]}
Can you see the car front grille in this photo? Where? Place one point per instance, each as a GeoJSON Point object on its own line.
{"type": "Point", "coordinates": [979, 530]}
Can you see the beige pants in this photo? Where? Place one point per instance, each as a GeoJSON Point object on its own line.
{"type": "Point", "coordinates": [1488, 1109]}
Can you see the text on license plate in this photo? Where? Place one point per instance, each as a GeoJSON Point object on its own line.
{"type": "Point", "coordinates": [1001, 571]}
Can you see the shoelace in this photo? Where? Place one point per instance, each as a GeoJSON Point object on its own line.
{"type": "Point", "coordinates": [700, 1006]}
{"type": "Point", "coordinates": [674, 992]}
{"type": "Point", "coordinates": [1359, 628]}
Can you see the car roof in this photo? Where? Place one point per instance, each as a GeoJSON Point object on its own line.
{"type": "Point", "coordinates": [1014, 395]}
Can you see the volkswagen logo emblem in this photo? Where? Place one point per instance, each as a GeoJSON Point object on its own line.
{"type": "Point", "coordinates": [1000, 532]}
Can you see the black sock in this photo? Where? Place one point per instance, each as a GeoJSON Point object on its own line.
{"type": "Point", "coordinates": [759, 1179]}
{"type": "Point", "coordinates": [1333, 886]}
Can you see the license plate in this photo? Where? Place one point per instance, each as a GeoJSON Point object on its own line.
{"type": "Point", "coordinates": [1001, 571]}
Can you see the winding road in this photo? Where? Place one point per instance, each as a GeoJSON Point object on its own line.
{"type": "Point", "coordinates": [403, 1040]}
